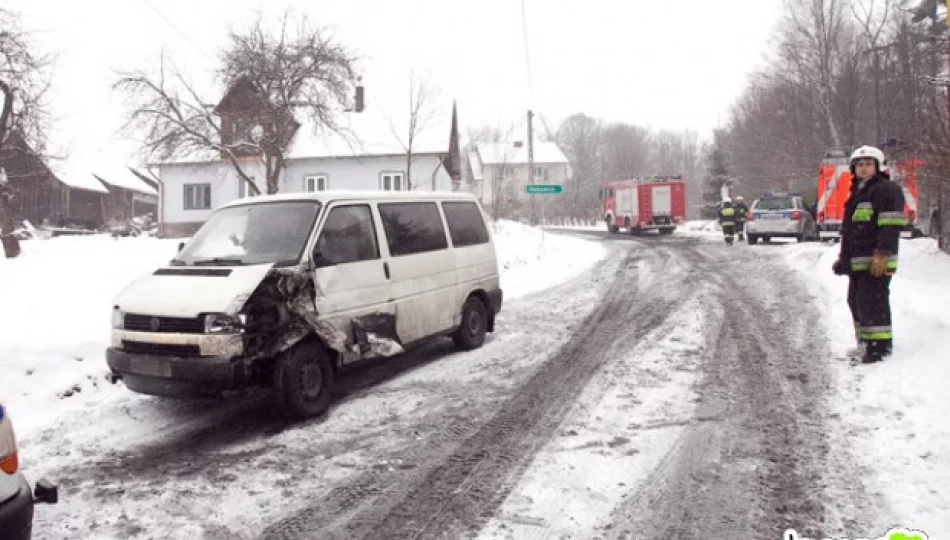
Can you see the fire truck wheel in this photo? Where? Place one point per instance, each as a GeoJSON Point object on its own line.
{"type": "Point", "coordinates": [753, 239]}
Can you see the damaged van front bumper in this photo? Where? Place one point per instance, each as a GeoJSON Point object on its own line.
{"type": "Point", "coordinates": [176, 376]}
{"type": "Point", "coordinates": [177, 365]}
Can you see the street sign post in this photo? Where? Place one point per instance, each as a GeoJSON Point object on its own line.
{"type": "Point", "coordinates": [545, 189]}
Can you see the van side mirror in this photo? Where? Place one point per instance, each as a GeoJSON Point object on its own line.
{"type": "Point", "coordinates": [181, 246]}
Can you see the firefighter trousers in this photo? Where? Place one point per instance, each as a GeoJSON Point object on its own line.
{"type": "Point", "coordinates": [729, 231]}
{"type": "Point", "coordinates": [869, 300]}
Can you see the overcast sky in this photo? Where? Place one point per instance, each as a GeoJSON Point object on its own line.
{"type": "Point", "coordinates": [658, 63]}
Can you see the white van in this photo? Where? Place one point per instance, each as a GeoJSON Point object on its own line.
{"type": "Point", "coordinates": [288, 289]}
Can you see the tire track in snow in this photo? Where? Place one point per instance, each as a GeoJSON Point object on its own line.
{"type": "Point", "coordinates": [465, 486]}
{"type": "Point", "coordinates": [763, 468]}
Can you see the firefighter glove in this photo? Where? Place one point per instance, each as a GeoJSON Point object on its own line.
{"type": "Point", "coordinates": [839, 268]}
{"type": "Point", "coordinates": [879, 265]}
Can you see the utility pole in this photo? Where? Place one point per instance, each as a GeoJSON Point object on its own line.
{"type": "Point", "coordinates": [531, 160]}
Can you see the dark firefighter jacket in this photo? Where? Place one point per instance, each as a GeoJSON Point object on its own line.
{"type": "Point", "coordinates": [727, 216]}
{"type": "Point", "coordinates": [741, 212]}
{"type": "Point", "coordinates": [873, 220]}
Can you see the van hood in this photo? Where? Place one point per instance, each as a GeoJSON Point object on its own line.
{"type": "Point", "coordinates": [188, 291]}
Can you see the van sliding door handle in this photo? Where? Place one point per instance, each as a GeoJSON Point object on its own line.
{"type": "Point", "coordinates": [386, 269]}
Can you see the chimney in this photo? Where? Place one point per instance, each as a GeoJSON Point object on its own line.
{"type": "Point", "coordinates": [518, 144]}
{"type": "Point", "coordinates": [360, 98]}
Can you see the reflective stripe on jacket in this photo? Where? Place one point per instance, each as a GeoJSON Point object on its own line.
{"type": "Point", "coordinates": [873, 220]}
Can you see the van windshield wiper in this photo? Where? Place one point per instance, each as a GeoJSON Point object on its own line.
{"type": "Point", "coordinates": [218, 261]}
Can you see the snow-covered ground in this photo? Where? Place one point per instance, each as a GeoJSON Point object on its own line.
{"type": "Point", "coordinates": [532, 260]}
{"type": "Point", "coordinates": [894, 413]}
{"type": "Point", "coordinates": [57, 297]}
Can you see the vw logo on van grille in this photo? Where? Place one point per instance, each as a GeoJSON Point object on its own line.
{"type": "Point", "coordinates": [154, 324]}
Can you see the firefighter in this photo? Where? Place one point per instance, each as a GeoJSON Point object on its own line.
{"type": "Point", "coordinates": [741, 212]}
{"type": "Point", "coordinates": [727, 220]}
{"type": "Point", "coordinates": [870, 234]}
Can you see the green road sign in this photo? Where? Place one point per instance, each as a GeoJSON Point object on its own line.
{"type": "Point", "coordinates": [544, 188]}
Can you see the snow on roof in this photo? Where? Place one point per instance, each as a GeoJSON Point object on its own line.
{"type": "Point", "coordinates": [120, 176]}
{"type": "Point", "coordinates": [373, 132]}
{"type": "Point", "coordinates": [77, 178]}
{"type": "Point", "coordinates": [476, 165]}
{"type": "Point", "coordinates": [544, 152]}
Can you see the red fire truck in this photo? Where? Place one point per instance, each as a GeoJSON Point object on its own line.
{"type": "Point", "coordinates": [834, 188]}
{"type": "Point", "coordinates": [643, 204]}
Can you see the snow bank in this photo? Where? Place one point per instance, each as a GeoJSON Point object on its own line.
{"type": "Point", "coordinates": [532, 260]}
{"type": "Point", "coordinates": [896, 411]}
{"type": "Point", "coordinates": [57, 299]}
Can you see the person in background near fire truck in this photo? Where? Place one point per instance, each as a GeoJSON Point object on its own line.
{"type": "Point", "coordinates": [727, 220]}
{"type": "Point", "coordinates": [870, 235]}
{"type": "Point", "coordinates": [741, 212]}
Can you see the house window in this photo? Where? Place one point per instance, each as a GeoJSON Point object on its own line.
{"type": "Point", "coordinates": [392, 182]}
{"type": "Point", "coordinates": [498, 174]}
{"type": "Point", "coordinates": [316, 182]}
{"type": "Point", "coordinates": [197, 197]}
{"type": "Point", "coordinates": [540, 173]}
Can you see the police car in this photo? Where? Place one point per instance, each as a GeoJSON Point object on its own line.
{"type": "Point", "coordinates": [16, 497]}
{"type": "Point", "coordinates": [780, 215]}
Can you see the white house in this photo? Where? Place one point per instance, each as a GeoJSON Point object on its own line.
{"type": "Point", "coordinates": [500, 170]}
{"type": "Point", "coordinates": [370, 157]}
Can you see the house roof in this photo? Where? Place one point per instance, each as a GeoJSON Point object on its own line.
{"type": "Point", "coordinates": [498, 153]}
{"type": "Point", "coordinates": [77, 177]}
{"type": "Point", "coordinates": [373, 132]}
{"type": "Point", "coordinates": [120, 176]}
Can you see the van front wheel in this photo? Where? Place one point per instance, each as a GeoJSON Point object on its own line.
{"type": "Point", "coordinates": [303, 380]}
{"type": "Point", "coordinates": [471, 333]}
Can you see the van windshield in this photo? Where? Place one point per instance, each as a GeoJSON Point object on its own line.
{"type": "Point", "coordinates": [252, 234]}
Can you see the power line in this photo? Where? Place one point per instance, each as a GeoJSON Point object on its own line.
{"type": "Point", "coordinates": [527, 52]}
{"type": "Point", "coordinates": [175, 28]}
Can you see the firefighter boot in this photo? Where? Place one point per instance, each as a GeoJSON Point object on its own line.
{"type": "Point", "coordinates": [876, 351]}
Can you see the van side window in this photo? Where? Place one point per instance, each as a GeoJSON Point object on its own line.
{"type": "Point", "coordinates": [466, 224]}
{"type": "Point", "coordinates": [413, 227]}
{"type": "Point", "coordinates": [348, 235]}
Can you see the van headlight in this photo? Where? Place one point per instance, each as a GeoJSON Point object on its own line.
{"type": "Point", "coordinates": [118, 319]}
{"type": "Point", "coordinates": [220, 323]}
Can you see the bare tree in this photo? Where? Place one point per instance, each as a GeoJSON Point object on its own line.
{"type": "Point", "coordinates": [23, 85]}
{"type": "Point", "coordinates": [814, 37]}
{"type": "Point", "coordinates": [24, 81]}
{"type": "Point", "coordinates": [421, 113]}
{"type": "Point", "coordinates": [627, 151]}
{"type": "Point", "coordinates": [668, 152]}
{"type": "Point", "coordinates": [580, 137]}
{"type": "Point", "coordinates": [298, 69]}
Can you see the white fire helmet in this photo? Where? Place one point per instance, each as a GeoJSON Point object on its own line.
{"type": "Point", "coordinates": [868, 152]}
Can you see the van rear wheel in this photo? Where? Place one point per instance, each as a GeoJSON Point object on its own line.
{"type": "Point", "coordinates": [471, 333]}
{"type": "Point", "coordinates": [303, 380]}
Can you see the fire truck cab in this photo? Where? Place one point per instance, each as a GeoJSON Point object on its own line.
{"type": "Point", "coordinates": [834, 188]}
{"type": "Point", "coordinates": [643, 204]}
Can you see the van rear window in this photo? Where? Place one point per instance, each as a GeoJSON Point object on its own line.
{"type": "Point", "coordinates": [466, 224]}
{"type": "Point", "coordinates": [413, 228]}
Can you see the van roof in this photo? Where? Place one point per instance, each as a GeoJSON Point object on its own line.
{"type": "Point", "coordinates": [330, 196]}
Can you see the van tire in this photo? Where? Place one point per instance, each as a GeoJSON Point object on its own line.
{"type": "Point", "coordinates": [471, 332]}
{"type": "Point", "coordinates": [303, 381]}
